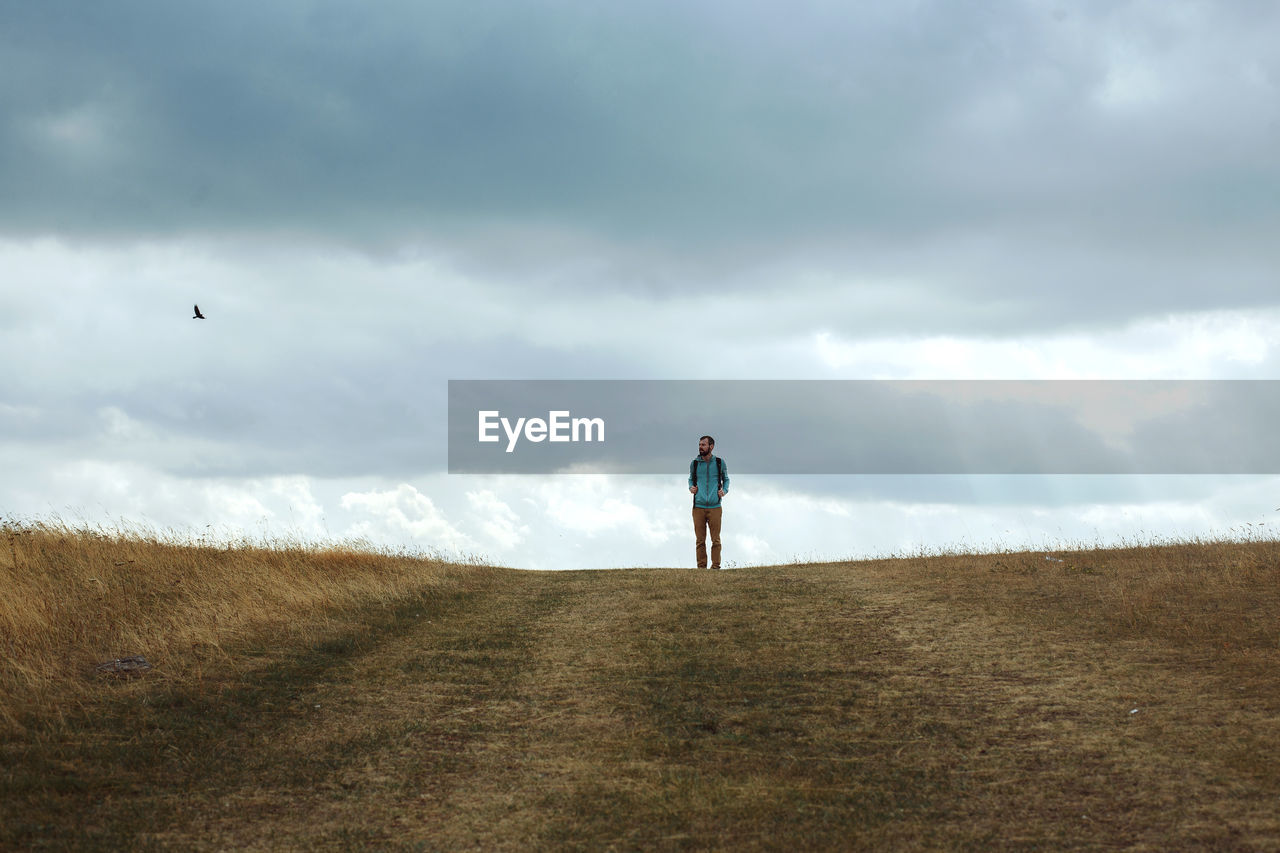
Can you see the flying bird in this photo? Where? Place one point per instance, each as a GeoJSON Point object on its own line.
{"type": "Point", "coordinates": [198, 315]}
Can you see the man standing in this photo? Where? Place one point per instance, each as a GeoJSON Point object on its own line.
{"type": "Point", "coordinates": [708, 483]}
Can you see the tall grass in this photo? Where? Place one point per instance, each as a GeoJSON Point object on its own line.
{"type": "Point", "coordinates": [75, 597]}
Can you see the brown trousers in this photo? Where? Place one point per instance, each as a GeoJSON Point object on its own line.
{"type": "Point", "coordinates": [702, 519]}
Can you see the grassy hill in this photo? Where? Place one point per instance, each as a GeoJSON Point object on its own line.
{"type": "Point", "coordinates": [341, 698]}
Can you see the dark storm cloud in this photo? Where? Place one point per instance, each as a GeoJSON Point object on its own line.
{"type": "Point", "coordinates": [332, 116]}
{"type": "Point", "coordinates": [658, 121]}
{"type": "Point", "coordinates": [771, 117]}
{"type": "Point", "coordinates": [1013, 165]}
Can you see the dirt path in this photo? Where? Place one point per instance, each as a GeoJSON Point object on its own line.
{"type": "Point", "coordinates": [811, 708]}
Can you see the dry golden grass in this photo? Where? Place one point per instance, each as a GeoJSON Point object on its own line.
{"type": "Point", "coordinates": [1118, 699]}
{"type": "Point", "coordinates": [74, 598]}
{"type": "Point", "coordinates": [1211, 596]}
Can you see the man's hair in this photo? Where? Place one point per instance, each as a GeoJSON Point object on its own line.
{"type": "Point", "coordinates": [709, 439]}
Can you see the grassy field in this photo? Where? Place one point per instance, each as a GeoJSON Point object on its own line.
{"type": "Point", "coordinates": [341, 698]}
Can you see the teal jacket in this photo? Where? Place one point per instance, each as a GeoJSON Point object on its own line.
{"type": "Point", "coordinates": [703, 475]}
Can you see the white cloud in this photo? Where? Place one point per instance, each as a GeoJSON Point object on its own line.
{"type": "Point", "coordinates": [237, 507]}
{"type": "Point", "coordinates": [500, 527]}
{"type": "Point", "coordinates": [596, 505]}
{"type": "Point", "coordinates": [305, 511]}
{"type": "Point", "coordinates": [392, 514]}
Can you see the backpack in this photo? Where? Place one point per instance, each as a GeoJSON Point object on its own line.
{"type": "Point", "coordinates": [693, 475]}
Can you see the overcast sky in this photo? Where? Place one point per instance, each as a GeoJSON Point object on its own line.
{"type": "Point", "coordinates": [370, 199]}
